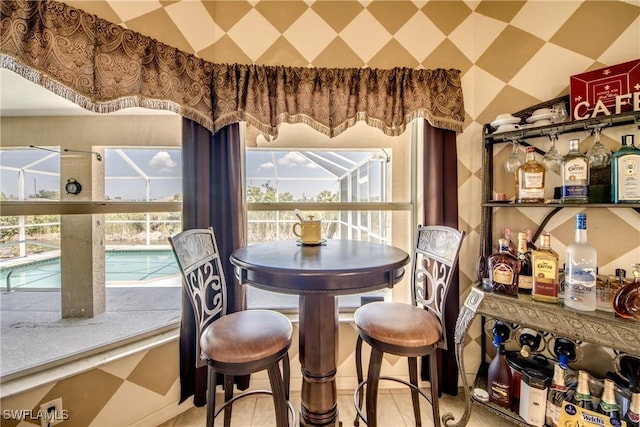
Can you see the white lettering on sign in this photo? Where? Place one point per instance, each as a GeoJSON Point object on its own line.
{"type": "Point", "coordinates": [601, 109]}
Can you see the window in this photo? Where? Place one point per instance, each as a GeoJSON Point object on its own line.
{"type": "Point", "coordinates": [358, 184]}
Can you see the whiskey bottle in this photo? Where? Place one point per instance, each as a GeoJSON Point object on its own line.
{"type": "Point", "coordinates": [580, 273]}
{"type": "Point", "coordinates": [632, 417]}
{"type": "Point", "coordinates": [575, 175]}
{"type": "Point", "coordinates": [625, 172]}
{"type": "Point", "coordinates": [504, 268]}
{"type": "Point", "coordinates": [556, 395]}
{"type": "Point", "coordinates": [499, 379]}
{"type": "Point", "coordinates": [608, 405]}
{"type": "Point", "coordinates": [525, 279]}
{"type": "Point", "coordinates": [545, 279]}
{"type": "Point", "coordinates": [582, 396]}
{"type": "Point", "coordinates": [530, 179]}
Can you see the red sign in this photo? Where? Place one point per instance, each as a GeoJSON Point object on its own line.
{"type": "Point", "coordinates": [609, 90]}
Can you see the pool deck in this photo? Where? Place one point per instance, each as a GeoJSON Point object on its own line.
{"type": "Point", "coordinates": [34, 335]}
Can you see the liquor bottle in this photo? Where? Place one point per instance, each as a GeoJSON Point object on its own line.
{"type": "Point", "coordinates": [556, 395]}
{"type": "Point", "coordinates": [625, 172]}
{"type": "Point", "coordinates": [530, 179]}
{"type": "Point", "coordinates": [499, 379]}
{"type": "Point", "coordinates": [575, 175]}
{"type": "Point", "coordinates": [566, 352]}
{"type": "Point", "coordinates": [632, 417]}
{"type": "Point", "coordinates": [504, 268]}
{"type": "Point", "coordinates": [530, 340]}
{"type": "Point", "coordinates": [608, 405]}
{"type": "Point", "coordinates": [507, 236]}
{"type": "Point", "coordinates": [580, 273]}
{"type": "Point", "coordinates": [626, 301]}
{"type": "Point", "coordinates": [582, 396]}
{"type": "Point", "coordinates": [530, 244]}
{"type": "Point", "coordinates": [546, 283]}
{"type": "Point", "coordinates": [525, 279]}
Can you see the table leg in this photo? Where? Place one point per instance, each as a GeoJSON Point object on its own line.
{"type": "Point", "coordinates": [318, 357]}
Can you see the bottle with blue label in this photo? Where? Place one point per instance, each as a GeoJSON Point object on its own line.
{"type": "Point", "coordinates": [580, 274]}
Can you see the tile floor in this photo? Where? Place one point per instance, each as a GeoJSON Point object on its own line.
{"type": "Point", "coordinates": [394, 409]}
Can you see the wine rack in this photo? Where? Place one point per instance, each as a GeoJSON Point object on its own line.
{"type": "Point", "coordinates": [600, 328]}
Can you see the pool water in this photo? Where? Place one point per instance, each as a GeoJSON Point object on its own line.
{"type": "Point", "coordinates": [121, 266]}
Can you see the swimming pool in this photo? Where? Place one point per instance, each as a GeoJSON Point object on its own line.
{"type": "Point", "coordinates": [120, 266]}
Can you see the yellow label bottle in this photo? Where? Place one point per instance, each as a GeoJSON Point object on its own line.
{"type": "Point", "coordinates": [545, 271]}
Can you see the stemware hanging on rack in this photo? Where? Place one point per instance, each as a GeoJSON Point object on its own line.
{"type": "Point", "coordinates": [515, 159]}
{"type": "Point", "coordinates": [599, 155]}
{"type": "Point", "coordinates": [552, 159]}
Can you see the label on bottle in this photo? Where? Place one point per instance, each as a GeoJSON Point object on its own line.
{"type": "Point", "coordinates": [628, 179]}
{"type": "Point", "coordinates": [575, 191]}
{"type": "Point", "coordinates": [503, 274]}
{"type": "Point", "coordinates": [576, 169]}
{"type": "Point", "coordinates": [545, 277]}
{"type": "Point", "coordinates": [580, 284]}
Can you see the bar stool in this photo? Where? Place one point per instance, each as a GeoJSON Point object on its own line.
{"type": "Point", "coordinates": [234, 344]}
{"type": "Point", "coordinates": [410, 330]}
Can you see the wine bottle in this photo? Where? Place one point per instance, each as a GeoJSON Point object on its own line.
{"type": "Point", "coordinates": [499, 379]}
{"type": "Point", "coordinates": [582, 396]}
{"type": "Point", "coordinates": [504, 268]}
{"type": "Point", "coordinates": [525, 278]}
{"type": "Point", "coordinates": [501, 333]}
{"type": "Point", "coordinates": [625, 172]}
{"type": "Point", "coordinates": [566, 352]}
{"type": "Point", "coordinates": [580, 275]}
{"type": "Point", "coordinates": [530, 340]}
{"type": "Point", "coordinates": [632, 417]}
{"type": "Point", "coordinates": [575, 175]}
{"type": "Point", "coordinates": [556, 395]}
{"type": "Point", "coordinates": [608, 405]}
{"type": "Point", "coordinates": [530, 179]}
{"type": "Point", "coordinates": [546, 284]}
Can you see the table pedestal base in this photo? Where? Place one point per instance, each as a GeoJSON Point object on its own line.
{"type": "Point", "coordinates": [318, 357]}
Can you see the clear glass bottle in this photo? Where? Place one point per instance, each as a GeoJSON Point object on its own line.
{"type": "Point", "coordinates": [608, 404]}
{"type": "Point", "coordinates": [625, 172]}
{"type": "Point", "coordinates": [556, 395]}
{"type": "Point", "coordinates": [504, 268]}
{"type": "Point", "coordinates": [530, 179]}
{"type": "Point", "coordinates": [545, 278]}
{"type": "Point", "coordinates": [575, 175]}
{"type": "Point", "coordinates": [525, 278]}
{"type": "Point", "coordinates": [580, 273]}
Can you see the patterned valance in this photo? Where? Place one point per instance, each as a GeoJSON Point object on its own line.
{"type": "Point", "coordinates": [104, 67]}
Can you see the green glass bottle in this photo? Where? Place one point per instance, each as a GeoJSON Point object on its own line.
{"type": "Point", "coordinates": [625, 172]}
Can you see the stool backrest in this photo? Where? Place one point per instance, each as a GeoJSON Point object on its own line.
{"type": "Point", "coordinates": [203, 278]}
{"type": "Point", "coordinates": [433, 264]}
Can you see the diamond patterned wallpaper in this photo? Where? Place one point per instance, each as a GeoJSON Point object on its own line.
{"type": "Point", "coordinates": [512, 54]}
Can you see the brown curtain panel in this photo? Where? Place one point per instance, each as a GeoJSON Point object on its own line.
{"type": "Point", "coordinates": [212, 197]}
{"type": "Point", "coordinates": [440, 163]}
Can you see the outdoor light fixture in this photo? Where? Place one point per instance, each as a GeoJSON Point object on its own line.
{"type": "Point", "coordinates": [72, 186]}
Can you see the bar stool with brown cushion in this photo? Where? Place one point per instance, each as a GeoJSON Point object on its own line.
{"type": "Point", "coordinates": [409, 330]}
{"type": "Point", "coordinates": [232, 344]}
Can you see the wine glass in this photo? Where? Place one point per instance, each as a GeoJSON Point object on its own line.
{"type": "Point", "coordinates": [599, 155]}
{"type": "Point", "coordinates": [552, 160]}
{"type": "Point", "coordinates": [515, 160]}
{"type": "Point", "coordinates": [561, 114]}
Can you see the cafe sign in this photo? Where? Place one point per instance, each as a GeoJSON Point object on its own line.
{"type": "Point", "coordinates": [606, 91]}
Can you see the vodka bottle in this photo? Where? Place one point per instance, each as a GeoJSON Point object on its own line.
{"type": "Point", "coordinates": [544, 260]}
{"type": "Point", "coordinates": [556, 395]}
{"type": "Point", "coordinates": [580, 273]}
{"type": "Point", "coordinates": [530, 179]}
{"type": "Point", "coordinates": [525, 278]}
{"type": "Point", "coordinates": [625, 172]}
{"type": "Point", "coordinates": [575, 175]}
